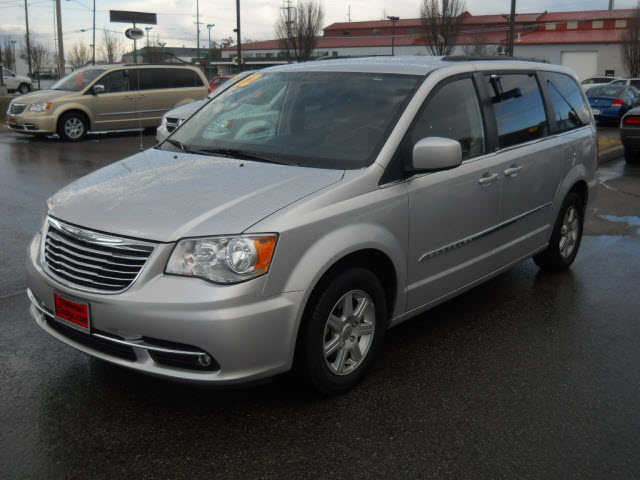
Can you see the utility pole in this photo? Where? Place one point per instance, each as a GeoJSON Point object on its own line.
{"type": "Point", "coordinates": [289, 43]}
{"type": "Point", "coordinates": [349, 14]}
{"type": "Point", "coordinates": [61, 68]}
{"type": "Point", "coordinates": [610, 4]}
{"type": "Point", "coordinates": [198, 28]}
{"type": "Point", "coordinates": [239, 38]}
{"type": "Point", "coordinates": [26, 16]}
{"type": "Point", "coordinates": [148, 29]}
{"type": "Point", "coordinates": [512, 24]}
{"type": "Point", "coordinates": [93, 58]}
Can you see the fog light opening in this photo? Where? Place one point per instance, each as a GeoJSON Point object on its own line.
{"type": "Point", "coordinates": [205, 360]}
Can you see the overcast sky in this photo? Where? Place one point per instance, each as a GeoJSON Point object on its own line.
{"type": "Point", "coordinates": [176, 18]}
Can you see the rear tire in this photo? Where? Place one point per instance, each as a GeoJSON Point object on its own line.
{"type": "Point", "coordinates": [566, 237]}
{"type": "Point", "coordinates": [632, 157]}
{"type": "Point", "coordinates": [72, 127]}
{"type": "Point", "coordinates": [343, 331]}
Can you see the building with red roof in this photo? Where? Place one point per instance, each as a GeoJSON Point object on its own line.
{"type": "Point", "coordinates": [587, 41]}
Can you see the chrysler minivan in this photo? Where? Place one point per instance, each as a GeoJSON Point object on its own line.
{"type": "Point", "coordinates": [106, 97]}
{"type": "Point", "coordinates": [309, 208]}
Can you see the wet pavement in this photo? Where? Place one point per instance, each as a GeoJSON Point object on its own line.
{"type": "Point", "coordinates": [530, 375]}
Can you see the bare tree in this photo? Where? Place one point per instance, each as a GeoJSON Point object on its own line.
{"type": "Point", "coordinates": [441, 22]}
{"type": "Point", "coordinates": [79, 55]}
{"type": "Point", "coordinates": [226, 42]}
{"type": "Point", "coordinates": [111, 47]}
{"type": "Point", "coordinates": [630, 47]}
{"type": "Point", "coordinates": [298, 34]}
{"type": "Point", "coordinates": [7, 55]}
{"type": "Point", "coordinates": [479, 46]}
{"type": "Point", "coordinates": [39, 57]}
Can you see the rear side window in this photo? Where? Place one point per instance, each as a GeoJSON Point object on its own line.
{"type": "Point", "coordinates": [183, 78]}
{"type": "Point", "coordinates": [518, 107]}
{"type": "Point", "coordinates": [453, 112]}
{"type": "Point", "coordinates": [571, 111]}
{"type": "Point", "coordinates": [635, 83]}
{"type": "Point", "coordinates": [157, 78]}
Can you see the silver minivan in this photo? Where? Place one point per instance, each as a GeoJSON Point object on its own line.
{"type": "Point", "coordinates": [311, 207]}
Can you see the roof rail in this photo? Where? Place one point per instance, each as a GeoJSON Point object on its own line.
{"type": "Point", "coordinates": [157, 65]}
{"type": "Point", "coordinates": [480, 58]}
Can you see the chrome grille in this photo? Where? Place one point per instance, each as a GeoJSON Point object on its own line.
{"type": "Point", "coordinates": [173, 123]}
{"type": "Point", "coordinates": [17, 108]}
{"type": "Point", "coordinates": [92, 261]}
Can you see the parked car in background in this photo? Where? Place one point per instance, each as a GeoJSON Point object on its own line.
{"type": "Point", "coordinates": [630, 136]}
{"type": "Point", "coordinates": [587, 83]}
{"type": "Point", "coordinates": [634, 82]}
{"type": "Point", "coordinates": [106, 97]}
{"type": "Point", "coordinates": [217, 81]}
{"type": "Point", "coordinates": [176, 117]}
{"type": "Point", "coordinates": [294, 219]}
{"type": "Point", "coordinates": [610, 102]}
{"type": "Point", "coordinates": [15, 82]}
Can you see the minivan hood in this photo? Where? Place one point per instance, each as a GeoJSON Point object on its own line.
{"type": "Point", "coordinates": [164, 196]}
{"type": "Point", "coordinates": [185, 111]}
{"type": "Point", "coordinates": [41, 96]}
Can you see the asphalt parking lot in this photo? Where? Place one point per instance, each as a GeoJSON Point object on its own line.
{"type": "Point", "coordinates": [530, 375]}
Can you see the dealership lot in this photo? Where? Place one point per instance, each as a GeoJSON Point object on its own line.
{"type": "Point", "coordinates": [530, 375]}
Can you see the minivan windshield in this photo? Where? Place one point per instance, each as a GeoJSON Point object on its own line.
{"type": "Point", "coordinates": [78, 80]}
{"type": "Point", "coordinates": [316, 119]}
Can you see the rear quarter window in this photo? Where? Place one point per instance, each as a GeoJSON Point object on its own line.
{"type": "Point", "coordinates": [571, 111]}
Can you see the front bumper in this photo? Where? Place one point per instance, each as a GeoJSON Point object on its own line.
{"type": "Point", "coordinates": [248, 336]}
{"type": "Point", "coordinates": [32, 122]}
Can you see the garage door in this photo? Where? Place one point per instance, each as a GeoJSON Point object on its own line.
{"type": "Point", "coordinates": [585, 64]}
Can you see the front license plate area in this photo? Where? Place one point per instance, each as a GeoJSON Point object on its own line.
{"type": "Point", "coordinates": [72, 313]}
{"type": "Point", "coordinates": [596, 112]}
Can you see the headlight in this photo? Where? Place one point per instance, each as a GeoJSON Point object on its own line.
{"type": "Point", "coordinates": [40, 107]}
{"type": "Point", "coordinates": [223, 259]}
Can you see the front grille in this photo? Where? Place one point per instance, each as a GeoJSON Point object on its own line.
{"type": "Point", "coordinates": [17, 108]}
{"type": "Point", "coordinates": [92, 261]}
{"type": "Point", "coordinates": [173, 123]}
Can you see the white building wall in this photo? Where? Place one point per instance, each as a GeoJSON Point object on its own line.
{"type": "Point", "coordinates": [609, 56]}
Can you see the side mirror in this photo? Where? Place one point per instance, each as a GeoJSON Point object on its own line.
{"type": "Point", "coordinates": [98, 89]}
{"type": "Point", "coordinates": [436, 153]}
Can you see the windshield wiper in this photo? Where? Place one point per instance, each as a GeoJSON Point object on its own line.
{"type": "Point", "coordinates": [241, 154]}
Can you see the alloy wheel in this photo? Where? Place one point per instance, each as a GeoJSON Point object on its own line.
{"type": "Point", "coordinates": [569, 231]}
{"type": "Point", "coordinates": [348, 332]}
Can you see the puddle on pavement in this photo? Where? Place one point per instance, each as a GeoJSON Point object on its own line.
{"type": "Point", "coordinates": [629, 220]}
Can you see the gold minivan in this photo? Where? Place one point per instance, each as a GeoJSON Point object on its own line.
{"type": "Point", "coordinates": [106, 97]}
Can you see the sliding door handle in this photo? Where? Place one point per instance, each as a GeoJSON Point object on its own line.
{"type": "Point", "coordinates": [512, 171]}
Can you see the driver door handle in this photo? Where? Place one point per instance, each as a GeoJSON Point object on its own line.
{"type": "Point", "coordinates": [487, 179]}
{"type": "Point", "coordinates": [512, 171]}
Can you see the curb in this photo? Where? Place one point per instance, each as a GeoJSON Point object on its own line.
{"type": "Point", "coordinates": [611, 154]}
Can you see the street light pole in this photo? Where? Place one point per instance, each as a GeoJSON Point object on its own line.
{"type": "Point", "coordinates": [162, 54]}
{"type": "Point", "coordinates": [148, 29]}
{"type": "Point", "coordinates": [198, 29]}
{"type": "Point", "coordinates": [209, 27]}
{"type": "Point", "coordinates": [13, 46]}
{"type": "Point", "coordinates": [393, 33]}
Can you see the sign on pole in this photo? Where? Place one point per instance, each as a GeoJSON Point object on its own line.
{"type": "Point", "coordinates": [123, 16]}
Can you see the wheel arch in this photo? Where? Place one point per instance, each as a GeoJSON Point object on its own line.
{"type": "Point", "coordinates": [75, 109]}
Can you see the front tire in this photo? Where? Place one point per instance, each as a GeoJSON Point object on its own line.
{"type": "Point", "coordinates": [566, 237]}
{"type": "Point", "coordinates": [72, 127]}
{"type": "Point", "coordinates": [343, 331]}
{"type": "Point", "coordinates": [24, 88]}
